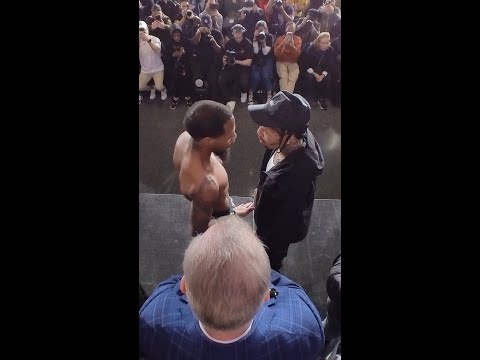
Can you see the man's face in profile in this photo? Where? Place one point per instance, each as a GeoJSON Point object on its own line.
{"type": "Point", "coordinates": [225, 141]}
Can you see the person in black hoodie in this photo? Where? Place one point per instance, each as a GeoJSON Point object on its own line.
{"type": "Point", "coordinates": [291, 163]}
{"type": "Point", "coordinates": [178, 52]}
{"type": "Point", "coordinates": [316, 67]}
{"type": "Point", "coordinates": [207, 51]}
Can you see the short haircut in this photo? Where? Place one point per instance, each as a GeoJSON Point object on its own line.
{"type": "Point", "coordinates": [314, 14]}
{"type": "Point", "coordinates": [206, 118]}
{"type": "Point", "coordinates": [323, 35]}
{"type": "Point", "coordinates": [227, 274]}
{"type": "Point", "coordinates": [261, 23]}
{"type": "Point", "coordinates": [156, 7]}
{"type": "Point", "coordinates": [290, 23]}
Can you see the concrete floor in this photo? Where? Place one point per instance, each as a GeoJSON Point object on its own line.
{"type": "Point", "coordinates": [159, 127]}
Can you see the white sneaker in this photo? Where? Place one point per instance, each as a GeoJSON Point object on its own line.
{"type": "Point", "coordinates": [250, 98]}
{"type": "Point", "coordinates": [152, 94]}
{"type": "Point", "coordinates": [269, 96]}
{"type": "Point", "coordinates": [336, 357]}
{"type": "Point", "coordinates": [243, 98]}
{"type": "Point", "coordinates": [140, 97]}
{"type": "Point", "coordinates": [231, 105]}
{"type": "Point", "coordinates": [164, 94]}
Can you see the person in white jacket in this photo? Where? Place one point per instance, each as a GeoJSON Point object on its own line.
{"type": "Point", "coordinates": [150, 62]}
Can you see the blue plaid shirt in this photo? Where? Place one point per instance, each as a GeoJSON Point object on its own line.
{"type": "Point", "coordinates": [288, 327]}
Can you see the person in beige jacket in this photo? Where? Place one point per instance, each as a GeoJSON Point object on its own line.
{"type": "Point", "coordinates": [287, 50]}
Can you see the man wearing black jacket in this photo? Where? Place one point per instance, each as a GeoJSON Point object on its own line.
{"type": "Point", "coordinates": [208, 48]}
{"type": "Point", "coordinates": [290, 166]}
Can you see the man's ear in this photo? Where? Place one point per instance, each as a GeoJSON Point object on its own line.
{"type": "Point", "coordinates": [183, 286]}
{"type": "Point", "coordinates": [206, 141]}
{"type": "Point", "coordinates": [267, 295]}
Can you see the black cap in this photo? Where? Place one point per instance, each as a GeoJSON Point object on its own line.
{"type": "Point", "coordinates": [285, 110]}
{"type": "Point", "coordinates": [206, 19]}
{"type": "Point", "coordinates": [314, 13]}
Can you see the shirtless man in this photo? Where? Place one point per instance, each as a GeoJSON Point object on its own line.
{"type": "Point", "coordinates": [198, 157]}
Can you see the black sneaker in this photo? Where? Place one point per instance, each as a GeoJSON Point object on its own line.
{"type": "Point", "coordinates": [323, 104]}
{"type": "Point", "coordinates": [174, 104]}
{"type": "Point", "coordinates": [189, 101]}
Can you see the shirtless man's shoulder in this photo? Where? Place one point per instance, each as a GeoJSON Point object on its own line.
{"type": "Point", "coordinates": [194, 181]}
{"type": "Point", "coordinates": [182, 145]}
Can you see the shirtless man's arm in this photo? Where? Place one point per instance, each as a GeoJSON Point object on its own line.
{"type": "Point", "coordinates": [202, 204]}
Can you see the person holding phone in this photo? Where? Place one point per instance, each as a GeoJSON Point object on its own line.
{"type": "Point", "coordinates": [250, 15]}
{"type": "Point", "coordinates": [170, 8]}
{"type": "Point", "coordinates": [151, 64]}
{"type": "Point", "coordinates": [159, 24]}
{"type": "Point", "coordinates": [186, 20]}
{"type": "Point", "coordinates": [308, 27]}
{"type": "Point", "coordinates": [211, 8]}
{"type": "Point", "coordinates": [278, 14]}
{"type": "Point", "coordinates": [287, 50]}
{"type": "Point", "coordinates": [261, 72]}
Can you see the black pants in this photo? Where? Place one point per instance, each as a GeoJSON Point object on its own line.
{"type": "Point", "coordinates": [336, 85]}
{"type": "Point", "coordinates": [207, 71]}
{"type": "Point", "coordinates": [181, 84]}
{"type": "Point", "coordinates": [320, 90]}
{"type": "Point", "coordinates": [276, 251]}
{"type": "Point", "coordinates": [333, 325]}
{"type": "Point", "coordinates": [311, 88]}
{"type": "Point", "coordinates": [230, 78]}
